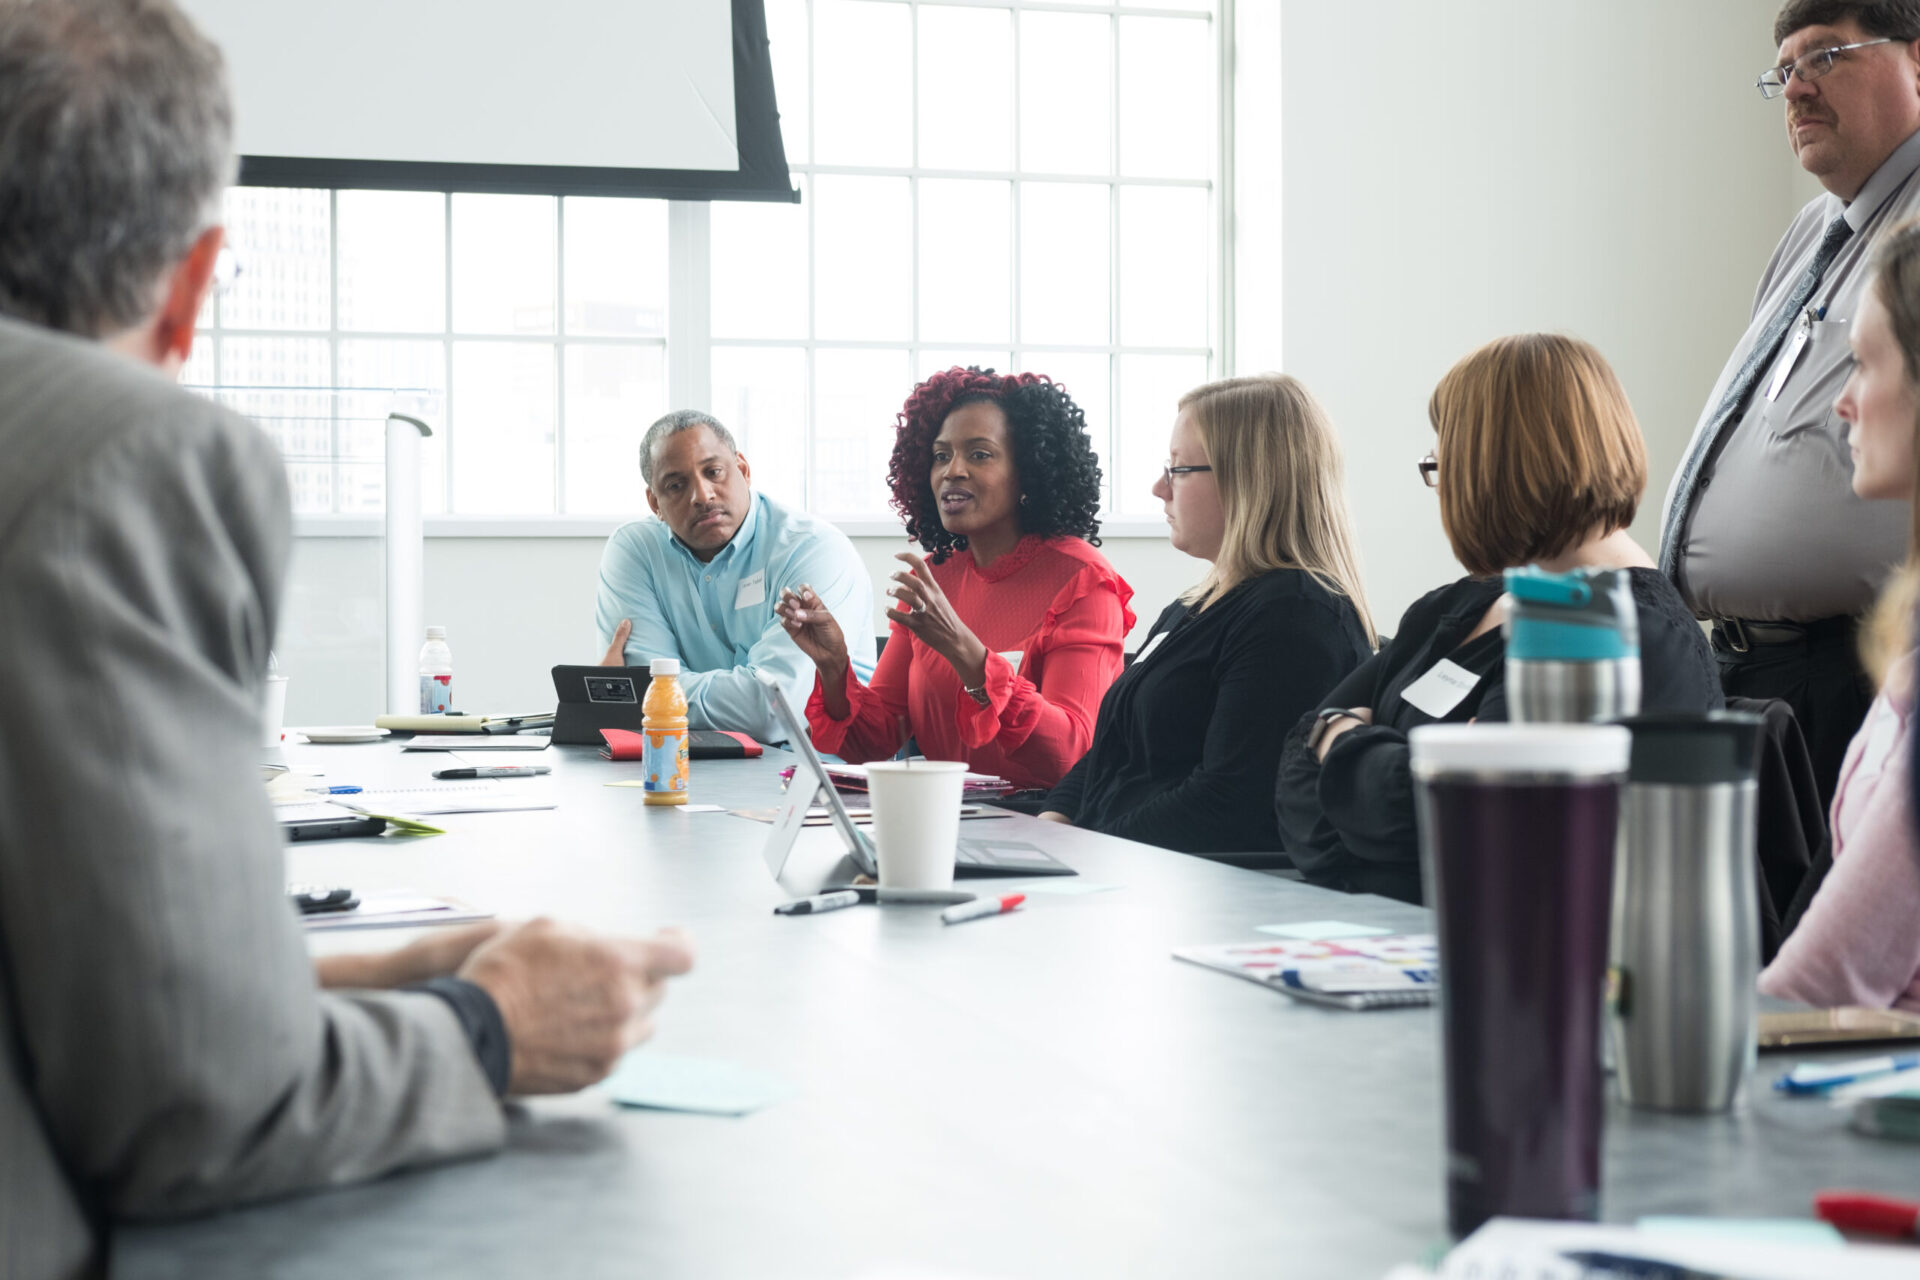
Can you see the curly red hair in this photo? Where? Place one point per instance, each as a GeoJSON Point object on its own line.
{"type": "Point", "coordinates": [1052, 453]}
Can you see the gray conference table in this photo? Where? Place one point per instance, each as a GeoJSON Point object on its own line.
{"type": "Point", "coordinates": [1041, 1094]}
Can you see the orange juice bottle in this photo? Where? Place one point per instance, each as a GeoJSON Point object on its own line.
{"type": "Point", "coordinates": [663, 730]}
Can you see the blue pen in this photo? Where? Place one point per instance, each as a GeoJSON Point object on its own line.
{"type": "Point", "coordinates": [1813, 1078]}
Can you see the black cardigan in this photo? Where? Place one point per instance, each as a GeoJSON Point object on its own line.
{"type": "Point", "coordinates": [1188, 737]}
{"type": "Point", "coordinates": [1348, 823]}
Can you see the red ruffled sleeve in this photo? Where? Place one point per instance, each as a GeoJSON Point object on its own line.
{"type": "Point", "coordinates": [1042, 716]}
{"type": "Point", "coordinates": [871, 730]}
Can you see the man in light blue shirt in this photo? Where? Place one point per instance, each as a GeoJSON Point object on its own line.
{"type": "Point", "coordinates": [699, 582]}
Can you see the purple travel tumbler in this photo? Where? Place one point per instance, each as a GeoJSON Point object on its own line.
{"type": "Point", "coordinates": [1517, 827]}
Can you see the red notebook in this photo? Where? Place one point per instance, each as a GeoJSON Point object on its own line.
{"type": "Point", "coordinates": [702, 744]}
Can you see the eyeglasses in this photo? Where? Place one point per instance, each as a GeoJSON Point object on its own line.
{"type": "Point", "coordinates": [1808, 66]}
{"type": "Point", "coordinates": [1168, 471]}
{"type": "Point", "coordinates": [1429, 471]}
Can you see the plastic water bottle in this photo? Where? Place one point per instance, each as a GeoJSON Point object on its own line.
{"type": "Point", "coordinates": [436, 674]}
{"type": "Point", "coordinates": [663, 732]}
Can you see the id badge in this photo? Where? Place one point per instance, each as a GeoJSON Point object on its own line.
{"type": "Point", "coordinates": [1802, 333]}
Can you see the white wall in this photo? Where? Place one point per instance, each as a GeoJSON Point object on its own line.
{"type": "Point", "coordinates": [1458, 171]}
{"type": "Point", "coordinates": [1450, 172]}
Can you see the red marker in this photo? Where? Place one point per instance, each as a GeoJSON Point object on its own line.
{"type": "Point", "coordinates": [980, 908]}
{"type": "Point", "coordinates": [1862, 1211]}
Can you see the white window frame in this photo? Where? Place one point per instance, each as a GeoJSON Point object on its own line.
{"type": "Point", "coordinates": [690, 341]}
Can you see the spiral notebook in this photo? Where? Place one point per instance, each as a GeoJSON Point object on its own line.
{"type": "Point", "coordinates": [1396, 971]}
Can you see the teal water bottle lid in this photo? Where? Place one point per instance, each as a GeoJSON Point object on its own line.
{"type": "Point", "coordinates": [1584, 616]}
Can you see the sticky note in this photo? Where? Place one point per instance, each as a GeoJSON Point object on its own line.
{"type": "Point", "coordinates": [671, 1082]}
{"type": "Point", "coordinates": [1067, 886]}
{"type": "Point", "coordinates": [1323, 930]}
{"type": "Point", "coordinates": [1806, 1232]}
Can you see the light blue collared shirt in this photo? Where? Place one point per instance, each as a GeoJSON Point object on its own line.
{"type": "Point", "coordinates": [717, 618]}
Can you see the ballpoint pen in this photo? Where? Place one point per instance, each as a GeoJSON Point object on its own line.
{"type": "Point", "coordinates": [1826, 1077]}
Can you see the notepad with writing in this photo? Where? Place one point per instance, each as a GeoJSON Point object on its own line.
{"type": "Point", "coordinates": [1396, 971]}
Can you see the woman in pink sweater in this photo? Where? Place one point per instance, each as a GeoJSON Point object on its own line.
{"type": "Point", "coordinates": [1859, 942]}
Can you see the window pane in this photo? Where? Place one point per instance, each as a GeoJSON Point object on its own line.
{"type": "Point", "coordinates": [761, 394]}
{"type": "Point", "coordinates": [862, 234]}
{"type": "Point", "coordinates": [279, 237]}
{"type": "Point", "coordinates": [965, 230]}
{"type": "Point", "coordinates": [759, 272]}
{"type": "Point", "coordinates": [198, 370]}
{"type": "Point", "coordinates": [614, 393]}
{"type": "Point", "coordinates": [966, 88]}
{"type": "Point", "coordinates": [616, 268]}
{"type": "Point", "coordinates": [1166, 98]}
{"type": "Point", "coordinates": [1063, 263]}
{"type": "Point", "coordinates": [787, 42]}
{"type": "Point", "coordinates": [1163, 266]}
{"type": "Point", "coordinates": [393, 261]}
{"type": "Point", "coordinates": [859, 396]}
{"type": "Point", "coordinates": [1066, 87]}
{"type": "Point", "coordinates": [401, 365]}
{"type": "Point", "coordinates": [863, 83]}
{"type": "Point", "coordinates": [503, 264]}
{"type": "Point", "coordinates": [1086, 378]}
{"type": "Point", "coordinates": [931, 360]}
{"type": "Point", "coordinates": [502, 427]}
{"type": "Point", "coordinates": [1150, 391]}
{"type": "Point", "coordinates": [302, 424]}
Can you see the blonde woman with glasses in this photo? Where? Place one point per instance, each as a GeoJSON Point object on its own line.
{"type": "Point", "coordinates": [1188, 738]}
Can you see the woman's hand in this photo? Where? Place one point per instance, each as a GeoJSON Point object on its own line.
{"type": "Point", "coordinates": [1355, 717]}
{"type": "Point", "coordinates": [814, 631]}
{"type": "Point", "coordinates": [925, 610]}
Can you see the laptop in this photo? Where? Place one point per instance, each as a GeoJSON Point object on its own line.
{"type": "Point", "coordinates": [596, 698]}
{"type": "Point", "coordinates": [972, 857]}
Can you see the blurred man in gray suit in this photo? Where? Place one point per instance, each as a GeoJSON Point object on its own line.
{"type": "Point", "coordinates": [163, 1044]}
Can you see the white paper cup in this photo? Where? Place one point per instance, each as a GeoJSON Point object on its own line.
{"type": "Point", "coordinates": [273, 711]}
{"type": "Point", "coordinates": [916, 821]}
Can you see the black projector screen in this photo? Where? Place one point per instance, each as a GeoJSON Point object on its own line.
{"type": "Point", "coordinates": [664, 98]}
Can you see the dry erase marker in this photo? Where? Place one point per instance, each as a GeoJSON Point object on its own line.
{"type": "Point", "coordinates": [981, 909]}
{"type": "Point", "coordinates": [815, 905]}
{"type": "Point", "coordinates": [1862, 1211]}
{"type": "Point", "coordinates": [494, 771]}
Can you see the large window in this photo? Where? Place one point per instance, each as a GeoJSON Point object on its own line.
{"type": "Point", "coordinates": [1025, 186]}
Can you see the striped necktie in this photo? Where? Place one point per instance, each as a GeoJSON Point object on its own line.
{"type": "Point", "coordinates": [1740, 390]}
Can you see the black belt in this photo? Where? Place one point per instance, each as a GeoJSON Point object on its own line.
{"type": "Point", "coordinates": [1737, 635]}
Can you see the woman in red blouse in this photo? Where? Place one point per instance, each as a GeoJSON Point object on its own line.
{"type": "Point", "coordinates": [1005, 637]}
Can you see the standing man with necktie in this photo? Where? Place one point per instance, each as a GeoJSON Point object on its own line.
{"type": "Point", "coordinates": [1763, 534]}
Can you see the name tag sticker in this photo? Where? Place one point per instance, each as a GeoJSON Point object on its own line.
{"type": "Point", "coordinates": [751, 591]}
{"type": "Point", "coordinates": [1441, 689]}
{"type": "Point", "coordinates": [1151, 645]}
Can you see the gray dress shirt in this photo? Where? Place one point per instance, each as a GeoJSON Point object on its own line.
{"type": "Point", "coordinates": [163, 1049]}
{"type": "Point", "coordinates": [1777, 534]}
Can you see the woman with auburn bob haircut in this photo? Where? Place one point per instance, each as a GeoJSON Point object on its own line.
{"type": "Point", "coordinates": [1538, 460]}
{"type": "Point", "coordinates": [1185, 747]}
{"type": "Point", "coordinates": [1857, 944]}
{"type": "Point", "coordinates": [1006, 634]}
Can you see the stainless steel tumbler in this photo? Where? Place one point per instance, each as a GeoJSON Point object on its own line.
{"type": "Point", "coordinates": [1684, 947]}
{"type": "Point", "coordinates": [1573, 646]}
